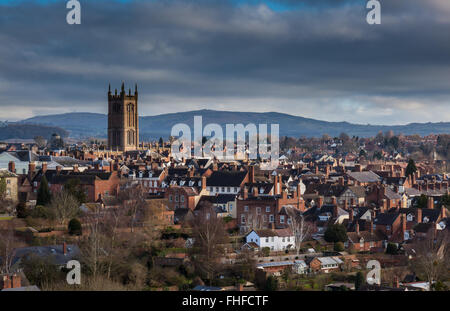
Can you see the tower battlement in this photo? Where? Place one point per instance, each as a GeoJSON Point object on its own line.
{"type": "Point", "coordinates": [123, 119]}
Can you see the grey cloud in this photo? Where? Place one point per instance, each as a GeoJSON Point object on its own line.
{"type": "Point", "coordinates": [321, 60]}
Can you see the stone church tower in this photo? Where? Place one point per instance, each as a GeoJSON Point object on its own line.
{"type": "Point", "coordinates": [123, 120]}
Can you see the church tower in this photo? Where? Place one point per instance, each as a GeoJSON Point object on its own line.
{"type": "Point", "coordinates": [123, 120]}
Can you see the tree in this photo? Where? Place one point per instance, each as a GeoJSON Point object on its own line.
{"type": "Point", "coordinates": [43, 195]}
{"type": "Point", "coordinates": [271, 284]}
{"type": "Point", "coordinates": [432, 258]}
{"type": "Point", "coordinates": [8, 243]}
{"type": "Point", "coordinates": [422, 201]}
{"type": "Point", "coordinates": [336, 233]}
{"type": "Point", "coordinates": [64, 206]}
{"type": "Point", "coordinates": [360, 280]}
{"type": "Point", "coordinates": [338, 247]}
{"type": "Point", "coordinates": [391, 249]}
{"type": "Point", "coordinates": [411, 168]}
{"type": "Point", "coordinates": [75, 227]}
{"type": "Point", "coordinates": [22, 210]}
{"type": "Point", "coordinates": [40, 141]}
{"type": "Point", "coordinates": [209, 236]}
{"type": "Point", "coordinates": [299, 227]}
{"type": "Point", "coordinates": [2, 188]}
{"type": "Point", "coordinates": [74, 188]}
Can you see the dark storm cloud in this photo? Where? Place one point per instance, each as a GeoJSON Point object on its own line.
{"type": "Point", "coordinates": [317, 58]}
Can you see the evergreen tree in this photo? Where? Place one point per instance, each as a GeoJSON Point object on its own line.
{"type": "Point", "coordinates": [2, 188]}
{"type": "Point", "coordinates": [336, 233]}
{"type": "Point", "coordinates": [411, 168]}
{"type": "Point", "coordinates": [43, 196]}
{"type": "Point", "coordinates": [360, 280]}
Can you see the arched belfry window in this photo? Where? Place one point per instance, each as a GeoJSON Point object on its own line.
{"type": "Point", "coordinates": [130, 113]}
{"type": "Point", "coordinates": [130, 137]}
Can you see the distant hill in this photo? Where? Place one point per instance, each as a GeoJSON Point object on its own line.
{"type": "Point", "coordinates": [29, 131]}
{"type": "Point", "coordinates": [153, 127]}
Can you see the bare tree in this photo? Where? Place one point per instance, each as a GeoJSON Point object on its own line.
{"type": "Point", "coordinates": [299, 227]}
{"type": "Point", "coordinates": [132, 199]}
{"type": "Point", "coordinates": [209, 236]}
{"type": "Point", "coordinates": [432, 257]}
{"type": "Point", "coordinates": [8, 243]}
{"type": "Point", "coordinates": [64, 206]}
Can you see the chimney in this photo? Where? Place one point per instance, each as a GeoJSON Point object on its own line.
{"type": "Point", "coordinates": [12, 166]}
{"type": "Point", "coordinates": [352, 202]}
{"type": "Point", "coordinates": [320, 202]}
{"type": "Point", "coordinates": [203, 182]}
{"type": "Point", "coordinates": [16, 281]}
{"type": "Point", "coordinates": [58, 169]}
{"type": "Point", "coordinates": [333, 200]}
{"type": "Point", "coordinates": [327, 171]}
{"type": "Point", "coordinates": [396, 282]}
{"type": "Point", "coordinates": [342, 181]}
{"type": "Point", "coordinates": [255, 191]}
{"type": "Point", "coordinates": [384, 208]}
{"type": "Point", "coordinates": [346, 204]}
{"type": "Point", "coordinates": [111, 166]}
{"type": "Point", "coordinates": [357, 227]}
{"type": "Point", "coordinates": [351, 215]}
{"type": "Point", "coordinates": [358, 168]}
{"type": "Point", "coordinates": [299, 190]}
{"type": "Point", "coordinates": [430, 204]}
{"type": "Point", "coordinates": [251, 173]}
{"type": "Point", "coordinates": [403, 224]}
{"type": "Point", "coordinates": [44, 167]}
{"type": "Point", "coordinates": [6, 282]}
{"type": "Point", "coordinates": [335, 211]}
{"type": "Point", "coordinates": [75, 168]}
{"type": "Point", "coordinates": [443, 212]}
{"type": "Point", "coordinates": [245, 195]}
{"type": "Point", "coordinates": [418, 215]}
{"type": "Point", "coordinates": [191, 172]}
{"type": "Point", "coordinates": [31, 168]}
{"type": "Point", "coordinates": [276, 185]}
{"type": "Point", "coordinates": [317, 170]}
{"type": "Point", "coordinates": [64, 248]}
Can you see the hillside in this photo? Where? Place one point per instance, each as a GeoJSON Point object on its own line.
{"type": "Point", "coordinates": [153, 127]}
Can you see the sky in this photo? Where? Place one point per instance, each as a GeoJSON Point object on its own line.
{"type": "Point", "coordinates": [311, 58]}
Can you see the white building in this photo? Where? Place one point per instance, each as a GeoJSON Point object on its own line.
{"type": "Point", "coordinates": [275, 240]}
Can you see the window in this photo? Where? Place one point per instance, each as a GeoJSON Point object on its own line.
{"type": "Point", "coordinates": [267, 240]}
{"type": "Point", "coordinates": [265, 218]}
{"type": "Point", "coordinates": [258, 210]}
{"type": "Point", "coordinates": [217, 189]}
{"type": "Point", "coordinates": [271, 218]}
{"type": "Point", "coordinates": [8, 182]}
{"type": "Point", "coordinates": [388, 227]}
{"type": "Point", "coordinates": [282, 221]}
{"type": "Point", "coordinates": [170, 198]}
{"type": "Point", "coordinates": [176, 197]}
{"type": "Point", "coordinates": [289, 239]}
{"type": "Point", "coordinates": [289, 221]}
{"type": "Point", "coordinates": [246, 208]}
{"type": "Point", "coordinates": [228, 189]}
{"type": "Point", "coordinates": [242, 219]}
{"type": "Point", "coordinates": [267, 209]}
{"type": "Point", "coordinates": [284, 239]}
{"type": "Point", "coordinates": [223, 189]}
{"type": "Point", "coordinates": [182, 198]}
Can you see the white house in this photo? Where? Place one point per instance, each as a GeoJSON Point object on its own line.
{"type": "Point", "coordinates": [276, 240]}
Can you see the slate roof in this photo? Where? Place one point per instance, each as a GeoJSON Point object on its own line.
{"type": "Point", "coordinates": [227, 179]}
{"type": "Point", "coordinates": [385, 219]}
{"type": "Point", "coordinates": [365, 177]}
